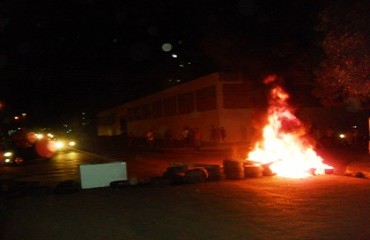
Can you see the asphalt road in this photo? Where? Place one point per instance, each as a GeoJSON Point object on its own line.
{"type": "Point", "coordinates": [63, 166]}
{"type": "Point", "coordinates": [146, 163]}
{"type": "Point", "coordinates": [320, 207]}
{"type": "Point", "coordinates": [141, 163]}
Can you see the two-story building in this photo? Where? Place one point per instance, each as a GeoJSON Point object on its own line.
{"type": "Point", "coordinates": [216, 100]}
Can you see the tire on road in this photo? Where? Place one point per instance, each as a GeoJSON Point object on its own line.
{"type": "Point", "coordinates": [196, 175]}
{"type": "Point", "coordinates": [67, 187]}
{"type": "Point", "coordinates": [120, 184]}
{"type": "Point", "coordinates": [175, 174]}
{"type": "Point", "coordinates": [233, 169]}
{"type": "Point", "coordinates": [215, 173]}
{"type": "Point", "coordinates": [253, 171]}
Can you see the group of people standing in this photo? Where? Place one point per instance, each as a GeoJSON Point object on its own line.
{"type": "Point", "coordinates": [218, 134]}
{"type": "Point", "coordinates": [190, 137]}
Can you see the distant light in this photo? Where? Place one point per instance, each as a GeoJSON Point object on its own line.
{"type": "Point", "coordinates": [166, 47]}
{"type": "Point", "coordinates": [174, 55]}
{"type": "Point", "coordinates": [39, 136]}
{"type": "Point", "coordinates": [24, 114]}
{"type": "Point", "coordinates": [181, 65]}
{"type": "Point", "coordinates": [178, 80]}
{"type": "Point", "coordinates": [16, 118]}
{"type": "Point", "coordinates": [189, 63]}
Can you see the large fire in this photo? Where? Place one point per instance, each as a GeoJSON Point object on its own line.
{"type": "Point", "coordinates": [283, 147]}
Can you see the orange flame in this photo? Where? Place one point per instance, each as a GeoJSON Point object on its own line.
{"type": "Point", "coordinates": [283, 147]}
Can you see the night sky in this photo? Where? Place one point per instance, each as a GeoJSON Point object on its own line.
{"type": "Point", "coordinates": [61, 57]}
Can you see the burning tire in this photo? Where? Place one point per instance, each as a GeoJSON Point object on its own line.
{"type": "Point", "coordinates": [267, 171]}
{"type": "Point", "coordinates": [233, 169]}
{"type": "Point", "coordinates": [329, 171]}
{"type": "Point", "coordinates": [253, 171]}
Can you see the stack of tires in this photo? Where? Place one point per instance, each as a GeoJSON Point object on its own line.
{"type": "Point", "coordinates": [233, 169]}
{"type": "Point", "coordinates": [215, 172]}
{"type": "Point", "coordinates": [253, 170]}
{"type": "Point", "coordinates": [266, 170]}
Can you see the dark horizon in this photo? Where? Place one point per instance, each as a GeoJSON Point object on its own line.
{"type": "Point", "coordinates": [63, 58]}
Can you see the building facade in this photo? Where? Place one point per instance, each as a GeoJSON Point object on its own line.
{"type": "Point", "coordinates": [216, 100]}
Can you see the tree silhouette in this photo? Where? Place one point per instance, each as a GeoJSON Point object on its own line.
{"type": "Point", "coordinates": [343, 76]}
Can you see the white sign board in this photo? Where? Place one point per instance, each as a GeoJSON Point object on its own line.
{"type": "Point", "coordinates": [102, 174]}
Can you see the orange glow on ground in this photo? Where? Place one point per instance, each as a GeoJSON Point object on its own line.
{"type": "Point", "coordinates": [283, 146]}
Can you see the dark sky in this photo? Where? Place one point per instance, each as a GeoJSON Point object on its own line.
{"type": "Point", "coordinates": [61, 57]}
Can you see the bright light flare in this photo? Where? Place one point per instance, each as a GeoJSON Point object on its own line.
{"type": "Point", "coordinates": [63, 144]}
{"type": "Point", "coordinates": [39, 136]}
{"type": "Point", "coordinates": [45, 147]}
{"type": "Point", "coordinates": [59, 145]}
{"type": "Point", "coordinates": [8, 154]}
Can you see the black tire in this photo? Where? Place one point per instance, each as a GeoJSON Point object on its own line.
{"type": "Point", "coordinates": [67, 187]}
{"type": "Point", "coordinates": [215, 173]}
{"type": "Point", "coordinates": [253, 171]}
{"type": "Point", "coordinates": [196, 175]}
{"type": "Point", "coordinates": [176, 174]}
{"type": "Point", "coordinates": [233, 169]}
{"type": "Point", "coordinates": [120, 184]}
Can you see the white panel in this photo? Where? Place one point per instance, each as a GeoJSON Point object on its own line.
{"type": "Point", "coordinates": [101, 175]}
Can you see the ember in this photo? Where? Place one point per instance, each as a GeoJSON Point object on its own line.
{"type": "Point", "coordinates": [283, 147]}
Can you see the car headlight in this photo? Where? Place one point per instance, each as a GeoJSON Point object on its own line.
{"type": "Point", "coordinates": [59, 145]}
{"type": "Point", "coordinates": [8, 154]}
